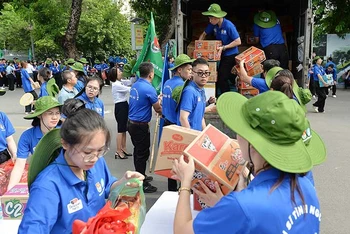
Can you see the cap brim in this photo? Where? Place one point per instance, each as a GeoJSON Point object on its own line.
{"type": "Point", "coordinates": [187, 62]}
{"type": "Point", "coordinates": [317, 149]}
{"type": "Point", "coordinates": [26, 99]}
{"type": "Point", "coordinates": [45, 152]}
{"type": "Point", "coordinates": [217, 15]}
{"type": "Point", "coordinates": [271, 75]}
{"type": "Point", "coordinates": [2, 92]}
{"type": "Point", "coordinates": [269, 24]}
{"type": "Point", "coordinates": [292, 158]}
{"type": "Point", "coordinates": [37, 113]}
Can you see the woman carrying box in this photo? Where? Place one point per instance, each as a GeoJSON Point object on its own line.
{"type": "Point", "coordinates": [271, 131]}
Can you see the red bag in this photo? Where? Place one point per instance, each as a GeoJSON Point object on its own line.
{"type": "Point", "coordinates": [103, 75]}
{"type": "Point", "coordinates": [5, 177]}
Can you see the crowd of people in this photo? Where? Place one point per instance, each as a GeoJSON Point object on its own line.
{"type": "Point", "coordinates": [275, 136]}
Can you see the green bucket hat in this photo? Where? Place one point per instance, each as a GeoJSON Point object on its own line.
{"type": "Point", "coordinates": [97, 61]}
{"type": "Point", "coordinates": [52, 88]}
{"type": "Point", "coordinates": [181, 60]}
{"type": "Point", "coordinates": [48, 61]}
{"type": "Point", "coordinates": [276, 127]}
{"type": "Point", "coordinates": [215, 10]}
{"type": "Point", "coordinates": [271, 74]}
{"type": "Point", "coordinates": [70, 61]}
{"type": "Point", "coordinates": [43, 104]}
{"type": "Point", "coordinates": [77, 67]}
{"type": "Point", "coordinates": [45, 153]}
{"type": "Point", "coordinates": [316, 58]}
{"type": "Point", "coordinates": [83, 60]}
{"type": "Point", "coordinates": [265, 19]}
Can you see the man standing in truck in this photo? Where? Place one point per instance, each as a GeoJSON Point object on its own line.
{"type": "Point", "coordinates": [267, 30]}
{"type": "Point", "coordinates": [225, 31]}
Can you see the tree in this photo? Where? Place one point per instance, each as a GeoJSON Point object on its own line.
{"type": "Point", "coordinates": [69, 44]}
{"type": "Point", "coordinates": [332, 17]}
{"type": "Point", "coordinates": [162, 9]}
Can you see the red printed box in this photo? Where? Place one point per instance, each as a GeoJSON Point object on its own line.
{"type": "Point", "coordinates": [207, 44]}
{"type": "Point", "coordinates": [209, 55]}
{"type": "Point", "coordinates": [252, 56]}
{"type": "Point", "coordinates": [256, 70]}
{"type": "Point", "coordinates": [249, 91]}
{"type": "Point", "coordinates": [172, 144]}
{"type": "Point", "coordinates": [217, 158]}
{"type": "Point", "coordinates": [14, 201]}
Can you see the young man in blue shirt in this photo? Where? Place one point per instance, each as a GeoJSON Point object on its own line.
{"type": "Point", "coordinates": [183, 71]}
{"type": "Point", "coordinates": [143, 96]}
{"type": "Point", "coordinates": [330, 69]}
{"type": "Point", "coordinates": [193, 101]}
{"type": "Point", "coordinates": [267, 30]}
{"type": "Point", "coordinates": [225, 31]}
{"type": "Point", "coordinates": [318, 74]}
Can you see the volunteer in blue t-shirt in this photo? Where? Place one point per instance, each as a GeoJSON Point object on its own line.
{"type": "Point", "coordinates": [89, 95]}
{"type": "Point", "coordinates": [45, 118]}
{"type": "Point", "coordinates": [258, 83]}
{"type": "Point", "coordinates": [75, 184]}
{"type": "Point", "coordinates": [143, 97]}
{"type": "Point", "coordinates": [225, 31]}
{"type": "Point", "coordinates": [27, 83]}
{"type": "Point", "coordinates": [320, 85]}
{"type": "Point", "coordinates": [183, 71]}
{"type": "Point", "coordinates": [267, 30]}
{"type": "Point", "coordinates": [8, 147]}
{"type": "Point", "coordinates": [193, 101]}
{"type": "Point", "coordinates": [280, 199]}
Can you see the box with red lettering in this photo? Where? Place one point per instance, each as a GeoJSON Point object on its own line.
{"type": "Point", "coordinates": [252, 56]}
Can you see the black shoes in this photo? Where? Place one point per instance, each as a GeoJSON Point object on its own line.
{"type": "Point", "coordinates": [126, 154]}
{"type": "Point", "coordinates": [148, 179]}
{"type": "Point", "coordinates": [118, 156]}
{"type": "Point", "coordinates": [148, 188]}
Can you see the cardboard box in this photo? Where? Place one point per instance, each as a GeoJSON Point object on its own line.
{"type": "Point", "coordinates": [14, 201]}
{"type": "Point", "coordinates": [252, 57]}
{"type": "Point", "coordinates": [207, 44]}
{"type": "Point", "coordinates": [213, 72]}
{"type": "Point", "coordinates": [249, 91]}
{"type": "Point", "coordinates": [217, 158]}
{"type": "Point", "coordinates": [209, 55]}
{"type": "Point", "coordinates": [190, 49]}
{"type": "Point", "coordinates": [172, 144]}
{"type": "Point", "coordinates": [209, 89]}
{"type": "Point", "coordinates": [256, 70]}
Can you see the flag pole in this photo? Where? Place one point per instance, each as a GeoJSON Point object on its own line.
{"type": "Point", "coordinates": [156, 128]}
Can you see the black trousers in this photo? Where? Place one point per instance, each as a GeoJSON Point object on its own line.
{"type": "Point", "coordinates": [225, 75]}
{"type": "Point", "coordinates": [312, 86]}
{"type": "Point", "coordinates": [141, 139]}
{"type": "Point", "coordinates": [321, 96]}
{"type": "Point", "coordinates": [18, 79]}
{"type": "Point", "coordinates": [278, 52]}
{"type": "Point", "coordinates": [11, 81]}
{"type": "Point", "coordinates": [334, 90]}
{"type": "Point", "coordinates": [172, 184]}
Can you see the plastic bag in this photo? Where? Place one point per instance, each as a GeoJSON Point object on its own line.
{"type": "Point", "coordinates": [124, 213]}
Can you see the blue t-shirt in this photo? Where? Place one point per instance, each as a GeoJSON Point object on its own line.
{"type": "Point", "coordinates": [6, 130]}
{"type": "Point", "coordinates": [96, 105]}
{"type": "Point", "coordinates": [79, 85]}
{"type": "Point", "coordinates": [142, 96]}
{"type": "Point", "coordinates": [43, 90]}
{"type": "Point", "coordinates": [260, 83]}
{"type": "Point", "coordinates": [334, 73]}
{"type": "Point", "coordinates": [318, 70]}
{"type": "Point", "coordinates": [193, 101]}
{"type": "Point", "coordinates": [329, 63]}
{"type": "Point", "coordinates": [98, 67]}
{"type": "Point", "coordinates": [258, 210]}
{"type": "Point", "coordinates": [269, 36]}
{"type": "Point", "coordinates": [54, 69]}
{"type": "Point", "coordinates": [58, 197]}
{"type": "Point", "coordinates": [227, 34]}
{"type": "Point", "coordinates": [2, 67]}
{"type": "Point", "coordinates": [169, 104]}
{"type": "Point", "coordinates": [28, 141]}
{"type": "Point", "coordinates": [25, 81]}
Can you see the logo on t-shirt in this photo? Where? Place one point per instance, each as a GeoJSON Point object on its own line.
{"type": "Point", "coordinates": [100, 186]}
{"type": "Point", "coordinates": [74, 205]}
{"type": "Point", "coordinates": [2, 128]}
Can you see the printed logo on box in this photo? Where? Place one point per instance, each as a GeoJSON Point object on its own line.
{"type": "Point", "coordinates": [172, 147]}
{"type": "Point", "coordinates": [14, 208]}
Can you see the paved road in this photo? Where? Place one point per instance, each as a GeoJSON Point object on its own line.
{"type": "Point", "coordinates": [330, 178]}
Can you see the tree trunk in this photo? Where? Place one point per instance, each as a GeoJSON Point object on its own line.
{"type": "Point", "coordinates": [171, 26]}
{"type": "Point", "coordinates": [69, 43]}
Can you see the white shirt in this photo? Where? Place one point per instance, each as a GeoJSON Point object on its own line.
{"type": "Point", "coordinates": [30, 68]}
{"type": "Point", "coordinates": [119, 91]}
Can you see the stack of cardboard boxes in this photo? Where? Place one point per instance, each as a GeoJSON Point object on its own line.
{"type": "Point", "coordinates": [217, 157]}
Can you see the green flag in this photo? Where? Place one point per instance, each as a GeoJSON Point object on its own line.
{"type": "Point", "coordinates": [151, 53]}
{"type": "Point", "coordinates": [29, 54]}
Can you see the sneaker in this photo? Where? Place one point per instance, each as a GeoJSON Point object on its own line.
{"type": "Point", "coordinates": [316, 109]}
{"type": "Point", "coordinates": [2, 88]}
{"type": "Point", "coordinates": [148, 188]}
{"type": "Point", "coordinates": [334, 96]}
{"type": "Point", "coordinates": [314, 97]}
{"type": "Point", "coordinates": [27, 113]}
{"type": "Point", "coordinates": [106, 85]}
{"type": "Point", "coordinates": [148, 179]}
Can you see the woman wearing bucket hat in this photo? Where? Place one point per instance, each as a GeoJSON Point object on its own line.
{"type": "Point", "coordinates": [267, 31]}
{"type": "Point", "coordinates": [271, 133]}
{"type": "Point", "coordinates": [45, 118]}
{"type": "Point", "coordinates": [225, 31]}
{"type": "Point", "coordinates": [89, 95]}
{"type": "Point", "coordinates": [69, 178]}
{"type": "Point", "coordinates": [78, 69]}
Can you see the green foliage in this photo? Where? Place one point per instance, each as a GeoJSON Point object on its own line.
{"type": "Point", "coordinates": [331, 17]}
{"type": "Point", "coordinates": [161, 13]}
